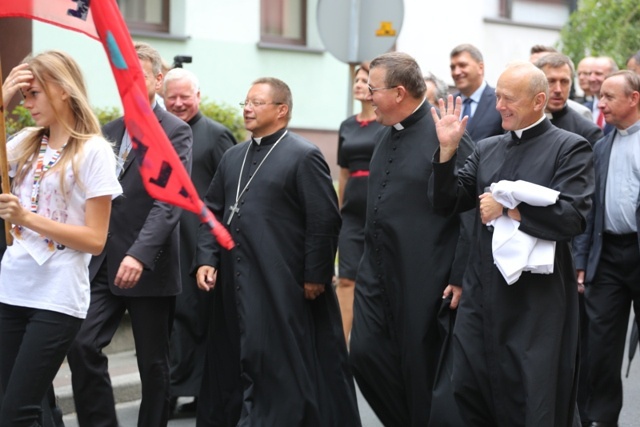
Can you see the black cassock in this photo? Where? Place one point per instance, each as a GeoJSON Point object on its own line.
{"type": "Point", "coordinates": [193, 306]}
{"type": "Point", "coordinates": [571, 120]}
{"type": "Point", "coordinates": [275, 358]}
{"type": "Point", "coordinates": [515, 347]}
{"type": "Point", "coordinates": [409, 258]}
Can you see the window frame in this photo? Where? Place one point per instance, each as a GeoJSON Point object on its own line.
{"type": "Point", "coordinates": [281, 40]}
{"type": "Point", "coordinates": [506, 6]}
{"type": "Point", "coordinates": [148, 27]}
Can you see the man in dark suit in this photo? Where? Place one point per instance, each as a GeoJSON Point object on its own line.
{"type": "Point", "coordinates": [478, 98]}
{"type": "Point", "coordinates": [607, 255]}
{"type": "Point", "coordinates": [601, 67]}
{"type": "Point", "coordinates": [559, 71]}
{"type": "Point", "coordinates": [537, 52]}
{"type": "Point", "coordinates": [193, 306]}
{"type": "Point", "coordinates": [138, 271]}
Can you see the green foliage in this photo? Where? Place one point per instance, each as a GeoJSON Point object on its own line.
{"type": "Point", "coordinates": [226, 115]}
{"type": "Point", "coordinates": [107, 114]}
{"type": "Point", "coordinates": [20, 118]}
{"type": "Point", "coordinates": [602, 28]}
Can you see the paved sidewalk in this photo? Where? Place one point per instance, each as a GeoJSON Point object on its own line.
{"type": "Point", "coordinates": [125, 380]}
{"type": "Point", "coordinates": [126, 389]}
{"type": "Point", "coordinates": [126, 386]}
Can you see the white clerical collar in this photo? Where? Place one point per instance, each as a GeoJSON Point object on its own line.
{"type": "Point", "coordinates": [398, 126]}
{"type": "Point", "coordinates": [630, 130]}
{"type": "Point", "coordinates": [257, 140]}
{"type": "Point", "coordinates": [519, 132]}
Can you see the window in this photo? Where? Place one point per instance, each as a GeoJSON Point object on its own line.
{"type": "Point", "coordinates": [506, 6]}
{"type": "Point", "coordinates": [283, 22]}
{"type": "Point", "coordinates": [540, 12]}
{"type": "Point", "coordinates": [146, 15]}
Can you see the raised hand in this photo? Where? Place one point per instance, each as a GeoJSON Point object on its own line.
{"type": "Point", "coordinates": [20, 77]}
{"type": "Point", "coordinates": [449, 127]}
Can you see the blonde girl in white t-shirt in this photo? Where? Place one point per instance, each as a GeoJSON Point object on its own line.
{"type": "Point", "coordinates": [63, 181]}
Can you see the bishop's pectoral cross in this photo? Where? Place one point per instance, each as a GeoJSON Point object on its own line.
{"type": "Point", "coordinates": [234, 210]}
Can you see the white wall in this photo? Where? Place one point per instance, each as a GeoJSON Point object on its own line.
{"type": "Point", "coordinates": [222, 37]}
{"type": "Point", "coordinates": [431, 29]}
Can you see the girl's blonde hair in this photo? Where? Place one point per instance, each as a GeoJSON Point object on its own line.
{"type": "Point", "coordinates": [58, 68]}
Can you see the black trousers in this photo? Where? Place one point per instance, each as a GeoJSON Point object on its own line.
{"type": "Point", "coordinates": [616, 285]}
{"type": "Point", "coordinates": [34, 343]}
{"type": "Point", "coordinates": [583, 379]}
{"type": "Point", "coordinates": [151, 322]}
{"type": "Point", "coordinates": [189, 339]}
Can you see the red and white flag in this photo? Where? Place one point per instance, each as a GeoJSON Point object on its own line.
{"type": "Point", "coordinates": [163, 174]}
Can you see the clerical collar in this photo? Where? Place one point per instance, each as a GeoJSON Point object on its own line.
{"type": "Point", "coordinates": [269, 139]}
{"type": "Point", "coordinates": [195, 119]}
{"type": "Point", "coordinates": [630, 130]}
{"type": "Point", "coordinates": [519, 132]}
{"type": "Point", "coordinates": [413, 117]}
{"type": "Point", "coordinates": [557, 114]}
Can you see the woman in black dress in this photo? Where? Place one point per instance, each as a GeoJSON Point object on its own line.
{"type": "Point", "coordinates": [355, 147]}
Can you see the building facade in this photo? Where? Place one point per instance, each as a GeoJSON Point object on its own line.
{"type": "Point", "coordinates": [232, 43]}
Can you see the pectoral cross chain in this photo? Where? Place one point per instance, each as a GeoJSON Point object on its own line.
{"type": "Point", "coordinates": [234, 210]}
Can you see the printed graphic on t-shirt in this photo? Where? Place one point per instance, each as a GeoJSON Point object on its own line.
{"type": "Point", "coordinates": [52, 203]}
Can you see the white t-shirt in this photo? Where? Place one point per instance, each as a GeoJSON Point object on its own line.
{"type": "Point", "coordinates": [58, 280]}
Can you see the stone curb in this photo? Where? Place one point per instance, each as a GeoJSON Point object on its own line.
{"type": "Point", "coordinates": [126, 388]}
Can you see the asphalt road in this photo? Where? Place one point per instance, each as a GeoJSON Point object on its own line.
{"type": "Point", "coordinates": [128, 416]}
{"type": "Point", "coordinates": [629, 417]}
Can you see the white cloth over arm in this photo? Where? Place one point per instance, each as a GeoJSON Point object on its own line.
{"type": "Point", "coordinates": [513, 250]}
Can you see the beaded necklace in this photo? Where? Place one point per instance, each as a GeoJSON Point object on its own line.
{"type": "Point", "coordinates": [41, 169]}
{"type": "Point", "coordinates": [38, 173]}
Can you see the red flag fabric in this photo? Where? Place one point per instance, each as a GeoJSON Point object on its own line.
{"type": "Point", "coordinates": [164, 176]}
{"type": "Point", "coordinates": [71, 14]}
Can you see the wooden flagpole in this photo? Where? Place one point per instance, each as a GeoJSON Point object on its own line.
{"type": "Point", "coordinates": [4, 164]}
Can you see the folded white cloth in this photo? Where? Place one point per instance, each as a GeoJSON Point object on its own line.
{"type": "Point", "coordinates": [513, 250]}
{"type": "Point", "coordinates": [510, 193]}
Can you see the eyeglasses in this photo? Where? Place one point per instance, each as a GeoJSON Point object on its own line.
{"type": "Point", "coordinates": [256, 104]}
{"type": "Point", "coordinates": [373, 89]}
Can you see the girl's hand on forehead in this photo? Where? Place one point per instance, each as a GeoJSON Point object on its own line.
{"type": "Point", "coordinates": [19, 79]}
